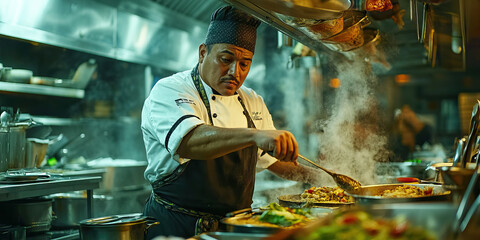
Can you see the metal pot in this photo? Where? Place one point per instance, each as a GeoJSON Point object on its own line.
{"type": "Point", "coordinates": [35, 214]}
{"type": "Point", "coordinates": [71, 208]}
{"type": "Point", "coordinates": [119, 227]}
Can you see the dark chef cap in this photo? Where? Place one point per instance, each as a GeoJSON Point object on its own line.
{"type": "Point", "coordinates": [232, 26]}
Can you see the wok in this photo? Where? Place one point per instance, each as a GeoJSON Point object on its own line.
{"type": "Point", "coordinates": [368, 194]}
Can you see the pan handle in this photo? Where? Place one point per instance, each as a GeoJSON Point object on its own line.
{"type": "Point", "coordinates": [231, 214]}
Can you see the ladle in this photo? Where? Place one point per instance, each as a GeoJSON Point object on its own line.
{"type": "Point", "coordinates": [343, 181]}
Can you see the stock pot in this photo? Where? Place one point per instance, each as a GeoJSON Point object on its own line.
{"type": "Point", "coordinates": [117, 227]}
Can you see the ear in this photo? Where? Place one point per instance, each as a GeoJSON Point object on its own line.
{"type": "Point", "coordinates": [202, 52]}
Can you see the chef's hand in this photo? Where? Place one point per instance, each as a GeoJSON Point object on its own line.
{"type": "Point", "coordinates": [282, 144]}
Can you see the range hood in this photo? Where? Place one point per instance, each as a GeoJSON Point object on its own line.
{"type": "Point", "coordinates": [437, 35]}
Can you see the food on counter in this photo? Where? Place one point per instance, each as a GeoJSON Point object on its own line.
{"type": "Point", "coordinates": [407, 191]}
{"type": "Point", "coordinates": [326, 194]}
{"type": "Point", "coordinates": [273, 215]}
{"type": "Point", "coordinates": [358, 224]}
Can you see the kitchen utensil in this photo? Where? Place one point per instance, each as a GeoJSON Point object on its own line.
{"type": "Point", "coordinates": [119, 227]}
{"type": "Point", "coordinates": [459, 152]}
{"type": "Point", "coordinates": [370, 194]}
{"type": "Point", "coordinates": [343, 181]}
{"type": "Point", "coordinates": [472, 137]}
{"type": "Point", "coordinates": [462, 215]}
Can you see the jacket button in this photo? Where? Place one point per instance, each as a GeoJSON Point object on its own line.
{"type": "Point", "coordinates": [213, 98]}
{"type": "Point", "coordinates": [214, 115]}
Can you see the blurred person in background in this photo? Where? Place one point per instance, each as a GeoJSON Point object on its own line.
{"type": "Point", "coordinates": [410, 132]}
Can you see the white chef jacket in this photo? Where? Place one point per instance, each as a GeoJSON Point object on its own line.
{"type": "Point", "coordinates": [174, 107]}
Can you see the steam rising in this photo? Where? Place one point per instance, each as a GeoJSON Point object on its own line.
{"type": "Point", "coordinates": [351, 138]}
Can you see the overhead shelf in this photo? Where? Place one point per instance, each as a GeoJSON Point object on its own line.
{"type": "Point", "coordinates": [41, 90]}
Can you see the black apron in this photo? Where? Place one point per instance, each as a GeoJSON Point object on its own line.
{"type": "Point", "coordinates": [198, 193]}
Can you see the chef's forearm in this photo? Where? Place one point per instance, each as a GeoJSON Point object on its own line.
{"type": "Point", "coordinates": [209, 142]}
{"type": "Point", "coordinates": [290, 171]}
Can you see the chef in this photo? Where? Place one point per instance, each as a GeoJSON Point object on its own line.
{"type": "Point", "coordinates": [204, 134]}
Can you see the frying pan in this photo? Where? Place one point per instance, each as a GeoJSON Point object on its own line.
{"type": "Point", "coordinates": [368, 194]}
{"type": "Point", "coordinates": [295, 200]}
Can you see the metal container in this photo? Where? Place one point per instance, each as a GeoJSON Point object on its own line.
{"type": "Point", "coordinates": [4, 149]}
{"type": "Point", "coordinates": [17, 141]}
{"type": "Point", "coordinates": [10, 232]}
{"type": "Point", "coordinates": [71, 208]}
{"type": "Point", "coordinates": [35, 214]}
{"type": "Point", "coordinates": [12, 146]}
{"type": "Point", "coordinates": [120, 174]}
{"type": "Point", "coordinates": [119, 227]}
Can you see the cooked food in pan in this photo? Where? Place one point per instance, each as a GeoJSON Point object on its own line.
{"type": "Point", "coordinates": [407, 191]}
{"type": "Point", "coordinates": [273, 215]}
{"type": "Point", "coordinates": [326, 194]}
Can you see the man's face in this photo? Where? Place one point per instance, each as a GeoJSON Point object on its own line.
{"type": "Point", "coordinates": [225, 67]}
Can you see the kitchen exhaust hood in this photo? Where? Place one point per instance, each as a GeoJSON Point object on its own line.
{"type": "Point", "coordinates": [429, 35]}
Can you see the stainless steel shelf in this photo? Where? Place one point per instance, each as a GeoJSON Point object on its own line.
{"type": "Point", "coordinates": [59, 185]}
{"type": "Point", "coordinates": [41, 90]}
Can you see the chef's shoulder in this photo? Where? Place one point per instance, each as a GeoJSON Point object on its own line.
{"type": "Point", "coordinates": [178, 82]}
{"type": "Point", "coordinates": [250, 95]}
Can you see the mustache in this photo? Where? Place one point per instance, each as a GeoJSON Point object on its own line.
{"type": "Point", "coordinates": [230, 78]}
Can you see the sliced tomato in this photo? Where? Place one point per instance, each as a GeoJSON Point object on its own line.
{"type": "Point", "coordinates": [399, 229]}
{"type": "Point", "coordinates": [349, 219]}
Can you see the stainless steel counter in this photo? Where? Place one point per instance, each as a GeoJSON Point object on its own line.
{"type": "Point", "coordinates": [55, 185]}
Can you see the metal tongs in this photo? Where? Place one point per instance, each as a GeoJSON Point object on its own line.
{"type": "Point", "coordinates": [465, 209]}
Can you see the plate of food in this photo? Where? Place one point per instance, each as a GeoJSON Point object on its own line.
{"type": "Point", "coordinates": [318, 196]}
{"type": "Point", "coordinates": [268, 219]}
{"type": "Point", "coordinates": [396, 193]}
